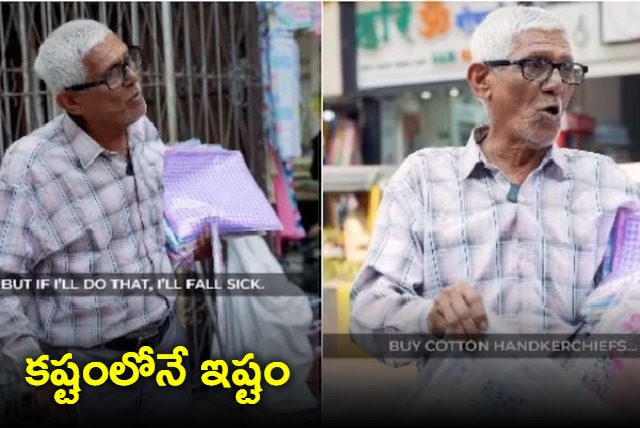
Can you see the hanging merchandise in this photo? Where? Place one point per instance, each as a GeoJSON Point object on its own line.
{"type": "Point", "coordinates": [282, 97]}
{"type": "Point", "coordinates": [280, 59]}
{"type": "Point", "coordinates": [316, 17]}
{"type": "Point", "coordinates": [292, 16]}
{"type": "Point", "coordinates": [286, 206]}
{"type": "Point", "coordinates": [284, 60]}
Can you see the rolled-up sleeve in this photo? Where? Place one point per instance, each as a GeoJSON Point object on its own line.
{"type": "Point", "coordinates": [18, 247]}
{"type": "Point", "coordinates": [386, 296]}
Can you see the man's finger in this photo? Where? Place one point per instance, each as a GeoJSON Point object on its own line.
{"type": "Point", "coordinates": [453, 323]}
{"type": "Point", "coordinates": [464, 315]}
{"type": "Point", "coordinates": [476, 305]}
{"type": "Point", "coordinates": [436, 322]}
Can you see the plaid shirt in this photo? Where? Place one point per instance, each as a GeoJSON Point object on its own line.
{"type": "Point", "coordinates": [68, 206]}
{"type": "Point", "coordinates": [445, 218]}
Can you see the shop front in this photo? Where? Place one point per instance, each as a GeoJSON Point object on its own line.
{"type": "Point", "coordinates": [412, 58]}
{"type": "Point", "coordinates": [411, 89]}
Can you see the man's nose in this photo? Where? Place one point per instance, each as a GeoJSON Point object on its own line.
{"type": "Point", "coordinates": [131, 76]}
{"type": "Point", "coordinates": [553, 84]}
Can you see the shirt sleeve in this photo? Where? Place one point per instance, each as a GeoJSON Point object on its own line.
{"type": "Point", "coordinates": [386, 296]}
{"type": "Point", "coordinates": [18, 249]}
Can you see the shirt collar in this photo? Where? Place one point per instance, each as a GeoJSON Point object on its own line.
{"type": "Point", "coordinates": [555, 155]}
{"type": "Point", "coordinates": [87, 149]}
{"type": "Point", "coordinates": [472, 156]}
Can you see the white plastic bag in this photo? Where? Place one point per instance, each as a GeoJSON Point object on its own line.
{"type": "Point", "coordinates": [273, 328]}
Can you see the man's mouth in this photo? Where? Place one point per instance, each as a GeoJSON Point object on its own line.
{"type": "Point", "coordinates": [552, 112]}
{"type": "Point", "coordinates": [134, 96]}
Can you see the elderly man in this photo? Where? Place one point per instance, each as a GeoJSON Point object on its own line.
{"type": "Point", "coordinates": [83, 195]}
{"type": "Point", "coordinates": [509, 227]}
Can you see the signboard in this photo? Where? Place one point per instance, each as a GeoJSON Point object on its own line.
{"type": "Point", "coordinates": [585, 24]}
{"type": "Point", "coordinates": [619, 22]}
{"type": "Point", "coordinates": [403, 43]}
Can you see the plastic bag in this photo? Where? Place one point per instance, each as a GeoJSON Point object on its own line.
{"type": "Point", "coordinates": [207, 184]}
{"type": "Point", "coordinates": [272, 327]}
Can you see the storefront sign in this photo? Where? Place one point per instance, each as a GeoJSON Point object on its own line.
{"type": "Point", "coordinates": [620, 22]}
{"type": "Point", "coordinates": [590, 34]}
{"type": "Point", "coordinates": [403, 43]}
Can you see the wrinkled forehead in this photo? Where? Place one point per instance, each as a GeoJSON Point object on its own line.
{"type": "Point", "coordinates": [553, 45]}
{"type": "Point", "coordinates": [105, 55]}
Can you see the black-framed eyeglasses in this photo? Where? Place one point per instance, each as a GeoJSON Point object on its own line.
{"type": "Point", "coordinates": [571, 73]}
{"type": "Point", "coordinates": [115, 77]}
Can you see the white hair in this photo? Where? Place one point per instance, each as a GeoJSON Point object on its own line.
{"type": "Point", "coordinates": [59, 61]}
{"type": "Point", "coordinates": [493, 38]}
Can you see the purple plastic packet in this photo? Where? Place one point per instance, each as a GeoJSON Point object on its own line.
{"type": "Point", "coordinates": [623, 254]}
{"type": "Point", "coordinates": [205, 185]}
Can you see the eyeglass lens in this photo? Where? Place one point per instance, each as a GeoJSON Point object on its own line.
{"type": "Point", "coordinates": [117, 76]}
{"type": "Point", "coordinates": [569, 72]}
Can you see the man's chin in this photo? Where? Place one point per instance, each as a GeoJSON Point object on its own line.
{"type": "Point", "coordinates": [135, 115]}
{"type": "Point", "coordinates": [541, 139]}
{"type": "Point", "coordinates": [552, 136]}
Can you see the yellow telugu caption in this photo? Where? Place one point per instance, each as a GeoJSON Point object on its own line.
{"type": "Point", "coordinates": [142, 364]}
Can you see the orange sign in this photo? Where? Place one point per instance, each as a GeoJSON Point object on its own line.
{"type": "Point", "coordinates": [465, 54]}
{"type": "Point", "coordinates": [436, 19]}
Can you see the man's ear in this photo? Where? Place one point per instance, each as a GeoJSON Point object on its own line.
{"type": "Point", "coordinates": [478, 78]}
{"type": "Point", "coordinates": [70, 102]}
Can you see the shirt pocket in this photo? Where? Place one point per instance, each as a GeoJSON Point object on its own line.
{"type": "Point", "coordinates": [575, 245]}
{"type": "Point", "coordinates": [579, 230]}
{"type": "Point", "coordinates": [93, 232]}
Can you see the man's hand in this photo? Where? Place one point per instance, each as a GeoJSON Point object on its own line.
{"type": "Point", "coordinates": [203, 246]}
{"type": "Point", "coordinates": [458, 310]}
{"type": "Point", "coordinates": [57, 413]}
